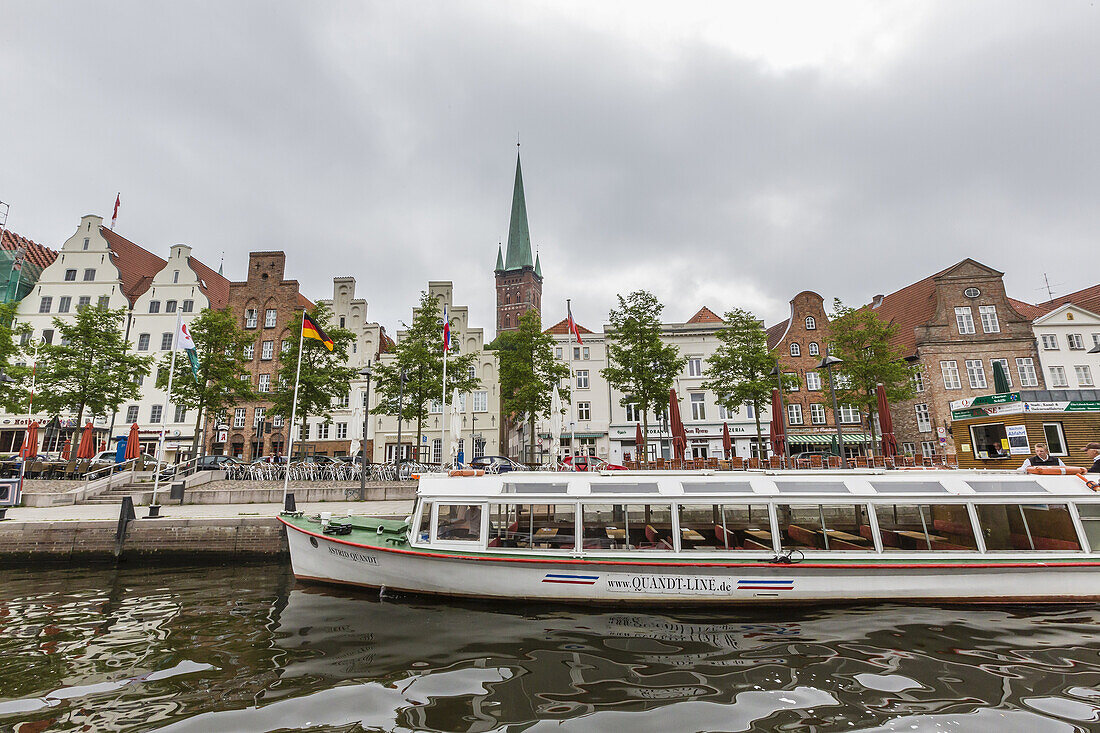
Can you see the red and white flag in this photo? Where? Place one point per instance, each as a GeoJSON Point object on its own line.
{"type": "Point", "coordinates": [114, 216]}
{"type": "Point", "coordinates": [573, 329]}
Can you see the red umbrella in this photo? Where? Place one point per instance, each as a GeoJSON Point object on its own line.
{"type": "Point", "coordinates": [30, 443]}
{"type": "Point", "coordinates": [86, 448]}
{"type": "Point", "coordinates": [676, 424]}
{"type": "Point", "coordinates": [66, 449]}
{"type": "Point", "coordinates": [779, 430]}
{"type": "Point", "coordinates": [886, 424]}
{"type": "Point", "coordinates": [133, 444]}
{"type": "Point", "coordinates": [727, 442]}
{"type": "Point", "coordinates": [639, 443]}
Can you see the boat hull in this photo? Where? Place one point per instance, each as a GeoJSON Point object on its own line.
{"type": "Point", "coordinates": [319, 558]}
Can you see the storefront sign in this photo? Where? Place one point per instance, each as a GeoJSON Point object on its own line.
{"type": "Point", "coordinates": [1010, 408]}
{"type": "Point", "coordinates": [1017, 440]}
{"type": "Point", "coordinates": [983, 400]}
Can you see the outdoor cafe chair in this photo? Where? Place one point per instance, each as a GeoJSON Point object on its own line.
{"type": "Point", "coordinates": [817, 462]}
{"type": "Point", "coordinates": [737, 463]}
{"type": "Point", "coordinates": [754, 462]}
{"type": "Point", "coordinates": [834, 462]}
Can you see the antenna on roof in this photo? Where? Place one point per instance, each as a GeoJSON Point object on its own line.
{"type": "Point", "coordinates": [517, 139]}
{"type": "Point", "coordinates": [1048, 287]}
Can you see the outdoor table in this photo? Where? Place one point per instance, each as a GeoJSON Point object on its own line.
{"type": "Point", "coordinates": [846, 536]}
{"type": "Point", "coordinates": [691, 534]}
{"type": "Point", "coordinates": [546, 531]}
{"type": "Point", "coordinates": [760, 534]}
{"type": "Point", "coordinates": [614, 533]}
{"type": "Point", "coordinates": [918, 538]}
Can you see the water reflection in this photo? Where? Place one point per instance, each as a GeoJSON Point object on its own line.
{"type": "Point", "coordinates": [205, 649]}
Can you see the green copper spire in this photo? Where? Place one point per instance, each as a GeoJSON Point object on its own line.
{"type": "Point", "coordinates": [519, 237]}
{"type": "Point", "coordinates": [500, 261]}
{"type": "Point", "coordinates": [538, 266]}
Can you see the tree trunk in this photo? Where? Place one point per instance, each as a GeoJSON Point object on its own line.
{"type": "Point", "coordinates": [871, 427]}
{"type": "Point", "coordinates": [759, 437]}
{"type": "Point", "coordinates": [531, 442]}
{"type": "Point", "coordinates": [198, 431]}
{"type": "Point", "coordinates": [645, 438]}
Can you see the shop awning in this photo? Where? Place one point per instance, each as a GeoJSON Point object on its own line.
{"type": "Point", "coordinates": [827, 438]}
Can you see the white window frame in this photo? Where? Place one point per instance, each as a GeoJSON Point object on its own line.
{"type": "Point", "coordinates": [341, 431]}
{"type": "Point", "coordinates": [1075, 341]}
{"type": "Point", "coordinates": [924, 418]}
{"type": "Point", "coordinates": [584, 410]}
{"type": "Point", "coordinates": [695, 366]}
{"type": "Point", "coordinates": [239, 417]}
{"type": "Point", "coordinates": [849, 414]}
{"type": "Point", "coordinates": [156, 412]}
{"type": "Point", "coordinates": [950, 371]}
{"type": "Point", "coordinates": [267, 350]}
{"type": "Point", "coordinates": [975, 373]}
{"type": "Point", "coordinates": [793, 380]}
{"type": "Point", "coordinates": [251, 315]}
{"type": "Point", "coordinates": [1025, 368]}
{"type": "Point", "coordinates": [481, 401]}
{"type": "Point", "coordinates": [817, 413]}
{"type": "Point", "coordinates": [796, 350]}
{"type": "Point", "coordinates": [990, 322]}
{"type": "Point", "coordinates": [813, 349]}
{"type": "Point", "coordinates": [132, 414]}
{"type": "Point", "coordinates": [928, 448]}
{"type": "Point", "coordinates": [698, 406]}
{"type": "Point", "coordinates": [271, 315]}
{"type": "Point", "coordinates": [1084, 375]}
{"type": "Point", "coordinates": [813, 381]}
{"type": "Point", "coordinates": [794, 414]}
{"type": "Point", "coordinates": [582, 378]}
{"type": "Point", "coordinates": [249, 352]}
{"type": "Point", "coordinates": [918, 381]}
{"type": "Point", "coordinates": [264, 385]}
{"type": "Point", "coordinates": [1004, 363]}
{"type": "Point", "coordinates": [1058, 376]}
{"type": "Point", "coordinates": [1061, 437]}
{"type": "Point", "coordinates": [964, 320]}
{"type": "Point", "coordinates": [811, 323]}
{"type": "Point", "coordinates": [1050, 341]}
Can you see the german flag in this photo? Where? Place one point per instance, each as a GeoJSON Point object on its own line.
{"type": "Point", "coordinates": [311, 330]}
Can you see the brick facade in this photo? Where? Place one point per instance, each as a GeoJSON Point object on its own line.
{"type": "Point", "coordinates": [518, 291]}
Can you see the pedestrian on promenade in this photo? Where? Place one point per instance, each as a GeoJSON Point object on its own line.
{"type": "Point", "coordinates": [1042, 457]}
{"type": "Point", "coordinates": [1093, 452]}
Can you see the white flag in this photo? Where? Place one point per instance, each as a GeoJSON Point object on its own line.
{"type": "Point", "coordinates": [183, 338]}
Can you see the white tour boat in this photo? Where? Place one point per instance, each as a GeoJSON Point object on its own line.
{"type": "Point", "coordinates": [723, 537]}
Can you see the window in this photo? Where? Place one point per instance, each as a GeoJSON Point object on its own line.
{"type": "Point", "coordinates": [175, 276]}
{"type": "Point", "coordinates": [267, 350]}
{"type": "Point", "coordinates": [285, 347]}
{"type": "Point", "coordinates": [811, 324]}
{"type": "Point", "coordinates": [964, 319]}
{"type": "Point", "coordinates": [479, 446]}
{"type": "Point", "coordinates": [70, 276]}
{"type": "Point", "coordinates": [238, 417]}
{"type": "Point", "coordinates": [45, 304]}
{"type": "Point", "coordinates": [628, 526]}
{"type": "Point", "coordinates": [928, 448]}
{"type": "Point", "coordinates": [813, 381]}
{"type": "Point", "coordinates": [82, 301]}
{"type": "Point", "coordinates": [796, 350]}
{"type": "Point", "coordinates": [435, 407]}
{"type": "Point", "coordinates": [188, 306]}
{"type": "Point", "coordinates": [264, 384]}
{"type": "Point", "coordinates": [695, 367]}
{"type": "Point", "coordinates": [472, 372]}
{"type": "Point", "coordinates": [988, 314]}
{"type": "Point", "coordinates": [582, 379]}
{"type": "Point", "coordinates": [64, 303]}
{"type": "Point", "coordinates": [132, 410]}
{"type": "Point", "coordinates": [170, 306]}
{"type": "Point", "coordinates": [1084, 375]}
{"type": "Point", "coordinates": [154, 306]}
{"type": "Point", "coordinates": [342, 431]}
{"type": "Point", "coordinates": [1058, 377]}
{"type": "Point", "coordinates": [47, 335]}
{"type": "Point", "coordinates": [1004, 368]}
{"type": "Point", "coordinates": [557, 353]}
{"type": "Point", "coordinates": [269, 317]}
{"type": "Point", "coordinates": [918, 381]}
{"type": "Point", "coordinates": [924, 420]}
{"type": "Point", "coordinates": [584, 410]}
{"type": "Point", "coordinates": [792, 381]}
{"type": "Point", "coordinates": [849, 414]}
{"type": "Point", "coordinates": [166, 342]}
{"type": "Point", "coordinates": [989, 441]}
{"type": "Point", "coordinates": [813, 348]}
{"type": "Point", "coordinates": [1055, 438]}
{"type": "Point", "coordinates": [258, 416]}
{"type": "Point", "coordinates": [908, 449]}
{"type": "Point", "coordinates": [633, 414]}
{"type": "Point", "coordinates": [459, 522]}
{"type": "Point", "coordinates": [343, 401]}
{"type": "Point", "coordinates": [975, 372]}
{"type": "Point", "coordinates": [698, 406]}
{"type": "Point", "coordinates": [950, 370]}
{"type": "Point", "coordinates": [143, 342]}
{"type": "Point", "coordinates": [249, 352]}
{"type": "Point", "coordinates": [1025, 367]}
{"type": "Point", "coordinates": [481, 401]}
{"type": "Point", "coordinates": [246, 378]}
{"type": "Point", "coordinates": [576, 353]}
{"type": "Point", "coordinates": [87, 241]}
{"type": "Point", "coordinates": [725, 413]}
{"type": "Point", "coordinates": [277, 421]}
{"type": "Point", "coordinates": [823, 526]}
{"type": "Point", "coordinates": [250, 318]}
{"type": "Point", "coordinates": [155, 413]}
{"type": "Point", "coordinates": [104, 302]}
{"type": "Point", "coordinates": [437, 450]}
{"type": "Point", "coordinates": [750, 411]}
{"type": "Point", "coordinates": [1096, 339]}
{"type": "Point", "coordinates": [322, 431]}
{"type": "Point", "coordinates": [1030, 527]}
{"type": "Point", "coordinates": [724, 527]}
{"type": "Point", "coordinates": [547, 526]}
{"type": "Point", "coordinates": [181, 414]}
{"type": "Point", "coordinates": [909, 527]}
{"type": "Point", "coordinates": [817, 413]}
{"type": "Point", "coordinates": [1050, 341]}
{"type": "Point", "coordinates": [1076, 342]}
{"type": "Point", "coordinates": [794, 414]}
{"type": "Point", "coordinates": [89, 275]}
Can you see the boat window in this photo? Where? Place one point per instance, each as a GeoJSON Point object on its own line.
{"type": "Point", "coordinates": [824, 527]}
{"type": "Point", "coordinates": [1090, 520]}
{"type": "Point", "coordinates": [424, 529]}
{"type": "Point", "coordinates": [907, 527]}
{"type": "Point", "coordinates": [909, 487]}
{"type": "Point", "coordinates": [722, 527]}
{"type": "Point", "coordinates": [546, 526]}
{"type": "Point", "coordinates": [534, 487]}
{"type": "Point", "coordinates": [1027, 527]}
{"type": "Point", "coordinates": [1006, 487]}
{"type": "Point", "coordinates": [717, 487]}
{"type": "Point", "coordinates": [640, 487]}
{"type": "Point", "coordinates": [628, 527]}
{"type": "Point", "coordinates": [811, 487]}
{"type": "Point", "coordinates": [458, 522]}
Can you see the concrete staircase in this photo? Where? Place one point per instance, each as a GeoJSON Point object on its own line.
{"type": "Point", "coordinates": [141, 493]}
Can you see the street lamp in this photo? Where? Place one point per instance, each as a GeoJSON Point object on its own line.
{"type": "Point", "coordinates": [777, 372]}
{"type": "Point", "coordinates": [827, 364]}
{"type": "Point", "coordinates": [400, 408]}
{"type": "Point", "coordinates": [365, 372]}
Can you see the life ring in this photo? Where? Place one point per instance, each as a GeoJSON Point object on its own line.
{"type": "Point", "coordinates": [915, 468]}
{"type": "Point", "coordinates": [1055, 470]}
{"type": "Point", "coordinates": [1089, 482]}
{"type": "Point", "coordinates": [467, 472]}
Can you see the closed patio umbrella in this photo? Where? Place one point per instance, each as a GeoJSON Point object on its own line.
{"type": "Point", "coordinates": [679, 435]}
{"type": "Point", "coordinates": [133, 444]}
{"type": "Point", "coordinates": [1000, 379]}
{"type": "Point", "coordinates": [66, 449]}
{"type": "Point", "coordinates": [456, 431]}
{"type": "Point", "coordinates": [86, 447]}
{"type": "Point", "coordinates": [30, 442]}
{"type": "Point", "coordinates": [639, 443]}
{"type": "Point", "coordinates": [727, 442]}
{"type": "Point", "coordinates": [778, 426]}
{"type": "Point", "coordinates": [886, 423]}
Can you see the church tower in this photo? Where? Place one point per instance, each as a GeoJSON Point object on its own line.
{"type": "Point", "coordinates": [518, 275]}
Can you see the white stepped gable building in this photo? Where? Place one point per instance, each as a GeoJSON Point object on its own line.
{"type": "Point", "coordinates": [95, 267]}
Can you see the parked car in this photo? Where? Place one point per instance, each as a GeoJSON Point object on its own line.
{"type": "Point", "coordinates": [591, 463]}
{"type": "Point", "coordinates": [496, 464]}
{"type": "Point", "coordinates": [213, 463]}
{"type": "Point", "coordinates": [107, 457]}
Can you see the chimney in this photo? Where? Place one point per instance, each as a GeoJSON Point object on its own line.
{"type": "Point", "coordinates": [877, 300]}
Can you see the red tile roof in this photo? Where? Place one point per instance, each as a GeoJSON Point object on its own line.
{"type": "Point", "coordinates": [562, 327]}
{"type": "Point", "coordinates": [304, 302]}
{"type": "Point", "coordinates": [214, 286]}
{"type": "Point", "coordinates": [136, 265]}
{"type": "Point", "coordinates": [912, 306]}
{"type": "Point", "coordinates": [705, 315]}
{"type": "Point", "coordinates": [36, 253]}
{"type": "Point", "coordinates": [775, 333]}
{"type": "Point", "coordinates": [1089, 299]}
{"type": "Point", "coordinates": [1027, 310]}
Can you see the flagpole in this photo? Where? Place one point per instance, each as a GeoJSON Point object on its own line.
{"type": "Point", "coordinates": [446, 433]}
{"type": "Point", "coordinates": [30, 414]}
{"type": "Point", "coordinates": [294, 411]}
{"type": "Point", "coordinates": [572, 390]}
{"type": "Point", "coordinates": [164, 413]}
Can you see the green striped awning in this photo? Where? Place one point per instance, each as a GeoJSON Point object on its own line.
{"type": "Point", "coordinates": [827, 438]}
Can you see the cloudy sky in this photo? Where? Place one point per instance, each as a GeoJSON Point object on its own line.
{"type": "Point", "coordinates": [718, 154]}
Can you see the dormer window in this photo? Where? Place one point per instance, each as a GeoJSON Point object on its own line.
{"type": "Point", "coordinates": [811, 323]}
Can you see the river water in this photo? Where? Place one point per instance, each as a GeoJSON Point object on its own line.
{"type": "Point", "coordinates": [247, 649]}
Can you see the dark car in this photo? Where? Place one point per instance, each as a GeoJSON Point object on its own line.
{"type": "Point", "coordinates": [495, 464]}
{"type": "Point", "coordinates": [214, 463]}
{"type": "Point", "coordinates": [591, 463]}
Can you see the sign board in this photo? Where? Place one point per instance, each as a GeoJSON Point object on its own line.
{"type": "Point", "coordinates": [9, 492]}
{"type": "Point", "coordinates": [985, 400]}
{"type": "Point", "coordinates": [1017, 440]}
{"type": "Point", "coordinates": [941, 430]}
{"type": "Point", "coordinates": [1010, 408]}
{"type": "Point", "coordinates": [222, 436]}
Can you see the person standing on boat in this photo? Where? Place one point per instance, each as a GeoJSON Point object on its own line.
{"type": "Point", "coordinates": [1042, 457]}
{"type": "Point", "coordinates": [1093, 452]}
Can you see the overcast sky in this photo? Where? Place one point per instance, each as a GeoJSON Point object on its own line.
{"type": "Point", "coordinates": [718, 155]}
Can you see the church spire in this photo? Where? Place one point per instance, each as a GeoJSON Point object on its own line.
{"type": "Point", "coordinates": [500, 261]}
{"type": "Point", "coordinates": [519, 236]}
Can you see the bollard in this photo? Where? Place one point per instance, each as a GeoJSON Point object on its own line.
{"type": "Point", "coordinates": [154, 512]}
{"type": "Point", "coordinates": [289, 507]}
{"type": "Point", "coordinates": [4, 513]}
{"type": "Point", "coordinates": [125, 516]}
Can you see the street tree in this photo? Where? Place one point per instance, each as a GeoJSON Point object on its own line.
{"type": "Point", "coordinates": [740, 370]}
{"type": "Point", "coordinates": [14, 395]}
{"type": "Point", "coordinates": [640, 365]}
{"type": "Point", "coordinates": [863, 343]}
{"type": "Point", "coordinates": [418, 354]}
{"type": "Point", "coordinates": [528, 373]}
{"type": "Point", "coordinates": [219, 345]}
{"type": "Point", "coordinates": [92, 367]}
{"type": "Point", "coordinates": [325, 376]}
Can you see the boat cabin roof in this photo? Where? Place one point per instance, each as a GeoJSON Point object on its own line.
{"type": "Point", "coordinates": [613, 486]}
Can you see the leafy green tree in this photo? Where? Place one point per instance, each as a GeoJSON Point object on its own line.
{"type": "Point", "coordinates": [528, 372]}
{"type": "Point", "coordinates": [740, 370]}
{"type": "Point", "coordinates": [419, 355]}
{"type": "Point", "coordinates": [324, 376]}
{"type": "Point", "coordinates": [219, 344]}
{"type": "Point", "coordinates": [863, 342]}
{"type": "Point", "coordinates": [91, 367]}
{"type": "Point", "coordinates": [640, 365]}
{"type": "Point", "coordinates": [15, 395]}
